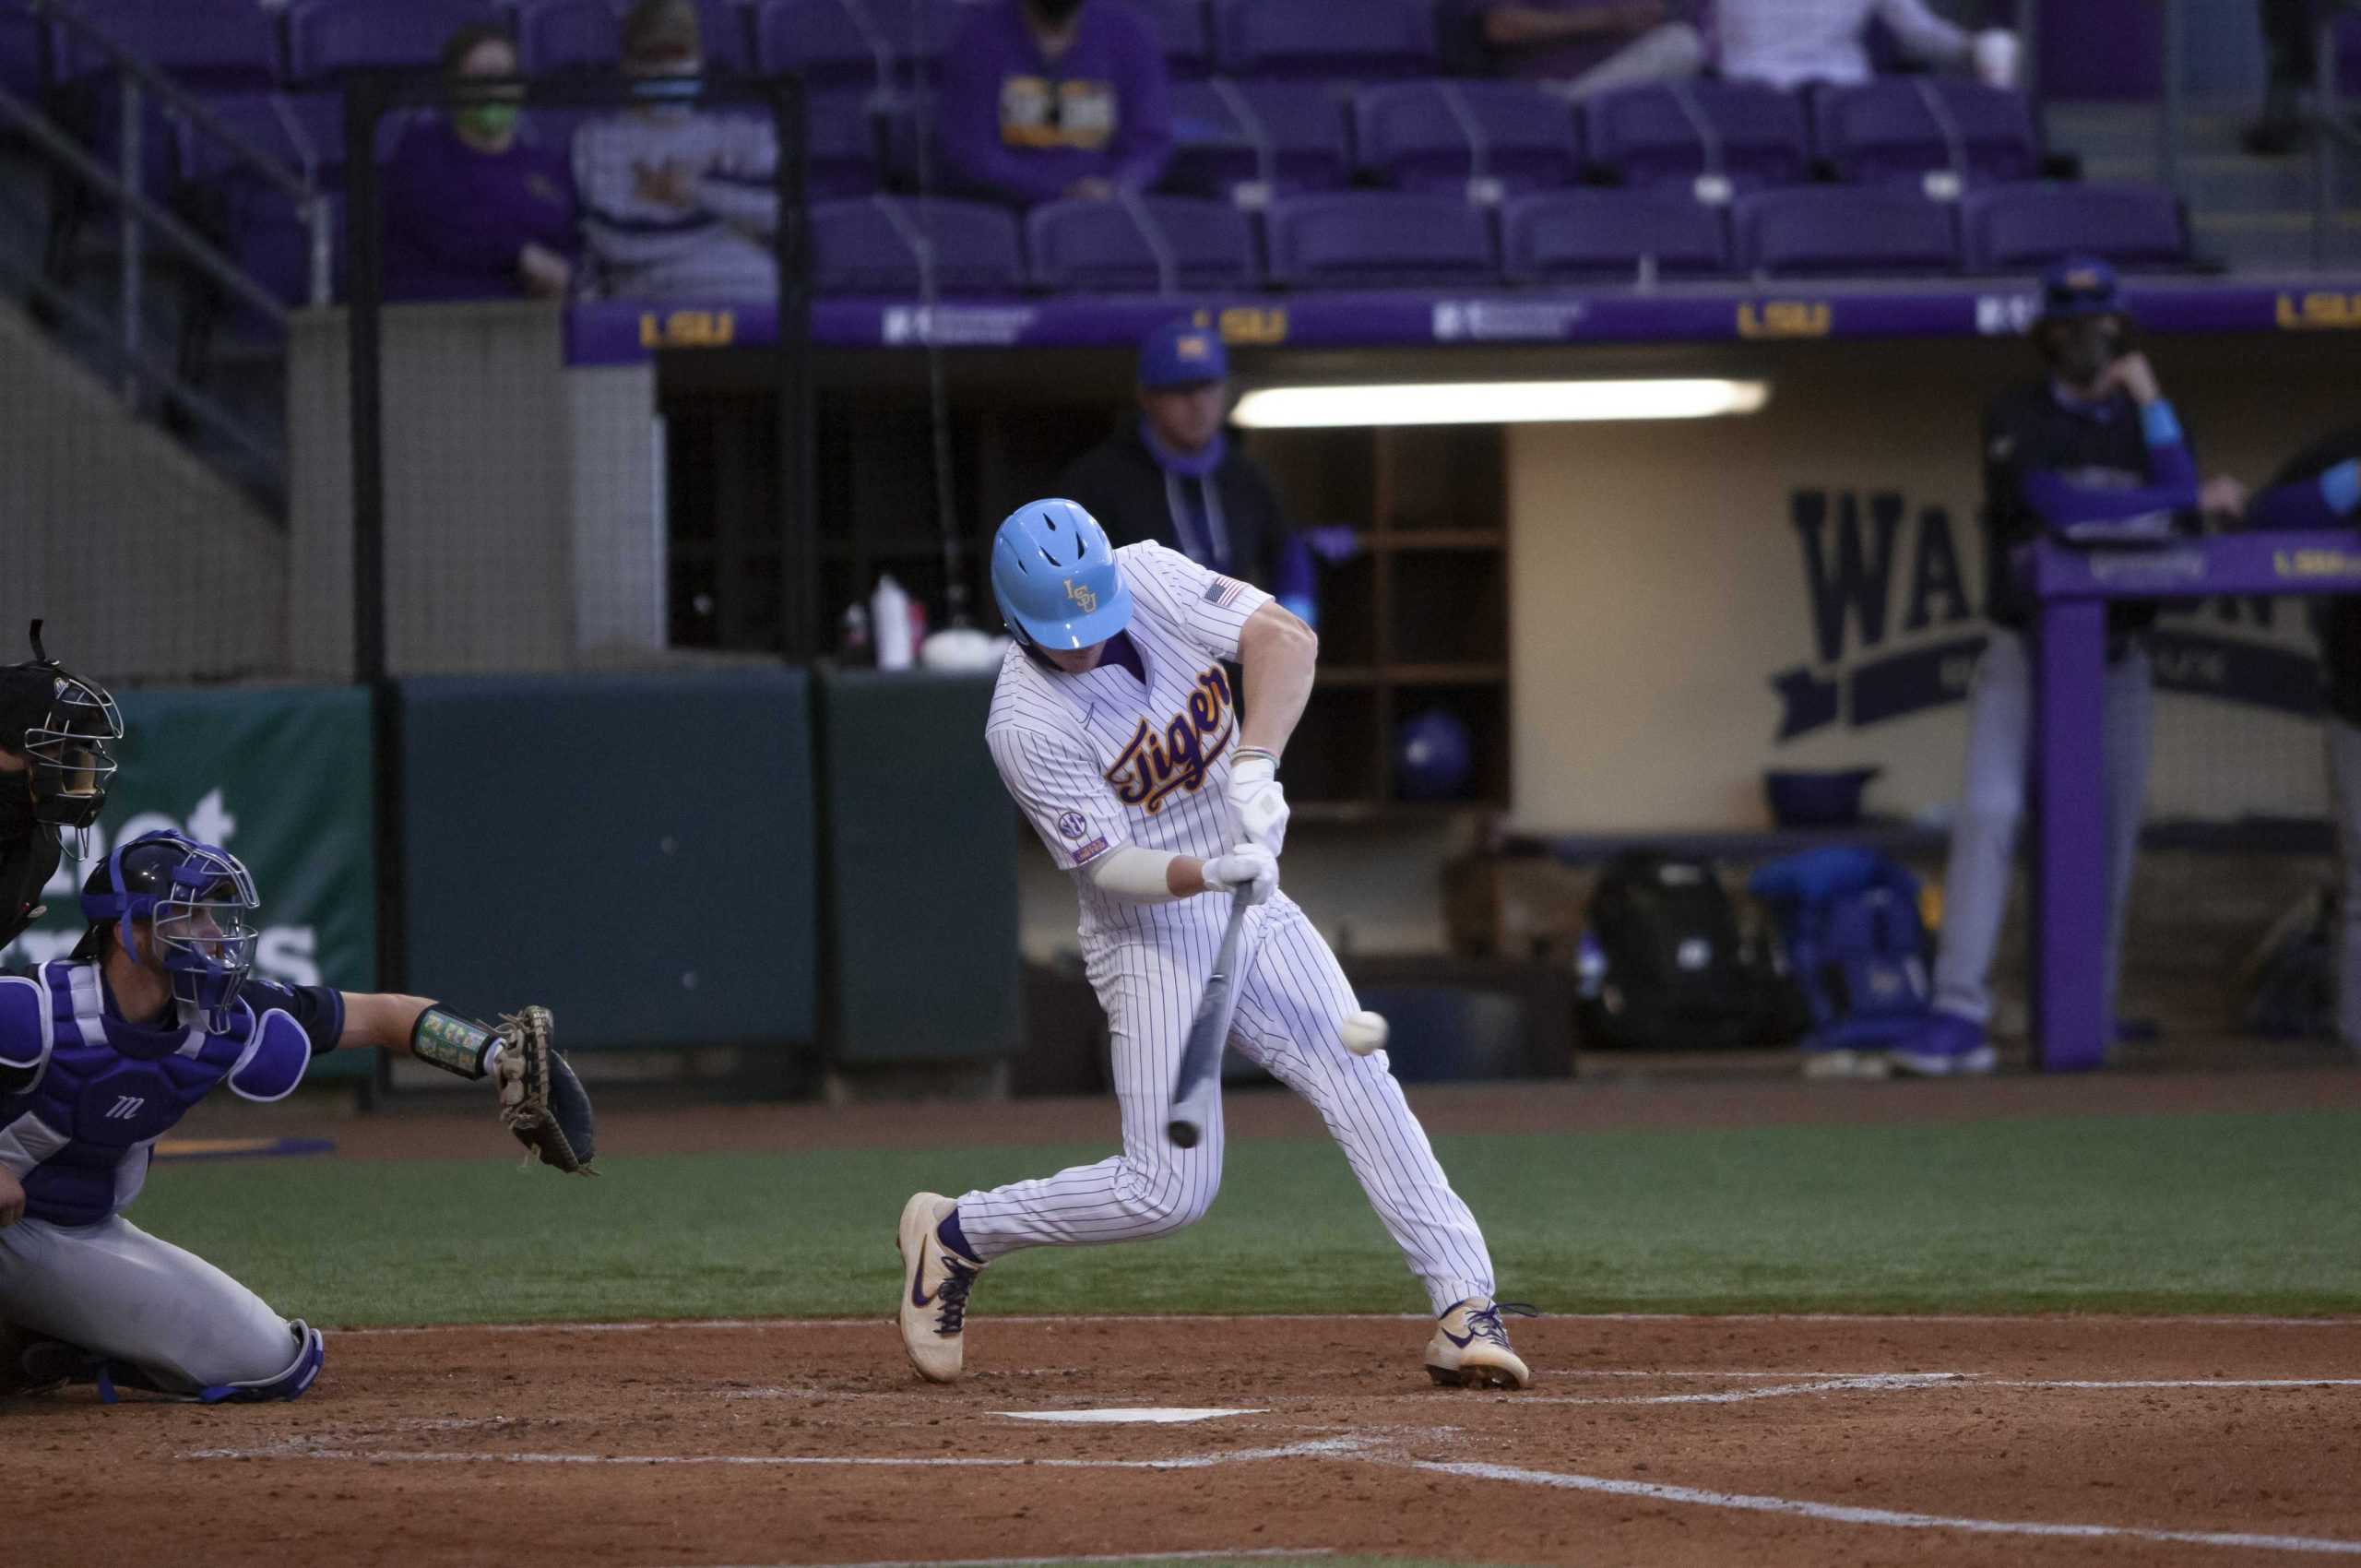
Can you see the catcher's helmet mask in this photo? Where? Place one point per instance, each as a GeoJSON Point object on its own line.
{"type": "Point", "coordinates": [64, 728]}
{"type": "Point", "coordinates": [198, 903]}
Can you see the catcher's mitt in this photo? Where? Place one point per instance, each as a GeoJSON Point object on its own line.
{"type": "Point", "coordinates": [540, 1099]}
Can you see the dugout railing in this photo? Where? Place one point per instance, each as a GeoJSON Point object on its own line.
{"type": "Point", "coordinates": [130, 94]}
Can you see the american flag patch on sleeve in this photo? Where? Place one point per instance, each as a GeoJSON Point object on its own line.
{"type": "Point", "coordinates": [1224, 591]}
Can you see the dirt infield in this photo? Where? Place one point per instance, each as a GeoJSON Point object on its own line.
{"type": "Point", "coordinates": [1647, 1441]}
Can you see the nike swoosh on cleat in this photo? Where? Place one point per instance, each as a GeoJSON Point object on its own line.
{"type": "Point", "coordinates": [1462, 1341]}
{"type": "Point", "coordinates": [919, 1298]}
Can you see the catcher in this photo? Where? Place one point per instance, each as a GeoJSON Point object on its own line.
{"type": "Point", "coordinates": [100, 1055]}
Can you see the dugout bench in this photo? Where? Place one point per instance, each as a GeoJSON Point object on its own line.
{"type": "Point", "coordinates": [2074, 587]}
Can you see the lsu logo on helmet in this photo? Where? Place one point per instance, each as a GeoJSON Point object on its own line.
{"type": "Point", "coordinates": [1082, 598]}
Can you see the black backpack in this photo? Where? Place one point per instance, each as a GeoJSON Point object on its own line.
{"type": "Point", "coordinates": [1664, 964]}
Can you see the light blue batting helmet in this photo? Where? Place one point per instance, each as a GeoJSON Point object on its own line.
{"type": "Point", "coordinates": [1054, 576]}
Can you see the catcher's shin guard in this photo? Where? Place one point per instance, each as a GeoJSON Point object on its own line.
{"type": "Point", "coordinates": [293, 1383]}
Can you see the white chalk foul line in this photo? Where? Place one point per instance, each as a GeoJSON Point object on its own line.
{"type": "Point", "coordinates": [1839, 1514]}
{"type": "Point", "coordinates": [1867, 1381]}
{"type": "Point", "coordinates": [1325, 1448]}
{"type": "Point", "coordinates": [1349, 1448]}
{"type": "Point", "coordinates": [1891, 1382]}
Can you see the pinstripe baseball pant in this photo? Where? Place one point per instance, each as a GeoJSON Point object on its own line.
{"type": "Point", "coordinates": [1292, 997]}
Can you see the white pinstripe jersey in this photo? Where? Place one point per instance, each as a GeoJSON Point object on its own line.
{"type": "Point", "coordinates": [1100, 760]}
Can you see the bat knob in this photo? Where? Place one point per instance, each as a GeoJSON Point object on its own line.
{"type": "Point", "coordinates": [1183, 1134]}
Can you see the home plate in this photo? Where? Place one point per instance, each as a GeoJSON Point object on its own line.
{"type": "Point", "coordinates": [1144, 1415]}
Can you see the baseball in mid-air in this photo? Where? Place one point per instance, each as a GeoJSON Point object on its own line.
{"type": "Point", "coordinates": [1364, 1032]}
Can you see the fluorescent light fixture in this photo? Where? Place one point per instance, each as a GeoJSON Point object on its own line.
{"type": "Point", "coordinates": [1497, 402]}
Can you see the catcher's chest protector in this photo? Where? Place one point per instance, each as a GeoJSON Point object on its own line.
{"type": "Point", "coordinates": [84, 1095]}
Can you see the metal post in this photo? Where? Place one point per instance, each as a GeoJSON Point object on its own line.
{"type": "Point", "coordinates": [2327, 125]}
{"type": "Point", "coordinates": [803, 629]}
{"type": "Point", "coordinates": [131, 261]}
{"type": "Point", "coordinates": [2029, 34]}
{"type": "Point", "coordinates": [2173, 107]}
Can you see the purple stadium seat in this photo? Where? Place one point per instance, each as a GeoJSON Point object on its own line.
{"type": "Point", "coordinates": [211, 45]}
{"type": "Point", "coordinates": [1896, 132]}
{"type": "Point", "coordinates": [558, 36]}
{"type": "Point", "coordinates": [1590, 235]}
{"type": "Point", "coordinates": [554, 37]}
{"type": "Point", "coordinates": [1100, 246]}
{"type": "Point", "coordinates": [24, 55]}
{"type": "Point", "coordinates": [2026, 228]}
{"type": "Point", "coordinates": [263, 227]}
{"type": "Point", "coordinates": [1188, 40]}
{"type": "Point", "coordinates": [1668, 135]}
{"type": "Point", "coordinates": [1226, 134]}
{"type": "Point", "coordinates": [854, 42]}
{"type": "Point", "coordinates": [841, 146]}
{"type": "Point", "coordinates": [871, 247]}
{"type": "Point", "coordinates": [328, 37]}
{"type": "Point", "coordinates": [1437, 136]}
{"type": "Point", "coordinates": [1842, 229]}
{"type": "Point", "coordinates": [1379, 239]}
{"type": "Point", "coordinates": [1295, 39]}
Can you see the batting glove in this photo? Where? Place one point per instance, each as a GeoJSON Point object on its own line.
{"type": "Point", "coordinates": [1258, 801]}
{"type": "Point", "coordinates": [1249, 869]}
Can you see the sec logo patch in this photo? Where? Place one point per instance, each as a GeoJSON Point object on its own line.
{"type": "Point", "coordinates": [1072, 826]}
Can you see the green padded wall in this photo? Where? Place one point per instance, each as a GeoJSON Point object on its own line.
{"type": "Point", "coordinates": [921, 846]}
{"type": "Point", "coordinates": [636, 851]}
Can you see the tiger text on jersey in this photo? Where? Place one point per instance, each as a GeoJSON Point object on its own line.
{"type": "Point", "coordinates": [1158, 763]}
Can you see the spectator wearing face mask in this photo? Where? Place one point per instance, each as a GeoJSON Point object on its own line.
{"type": "Point", "coordinates": [676, 204]}
{"type": "Point", "coordinates": [1043, 99]}
{"type": "Point", "coordinates": [472, 209]}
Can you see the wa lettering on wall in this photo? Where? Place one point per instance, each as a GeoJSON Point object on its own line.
{"type": "Point", "coordinates": [281, 778]}
{"type": "Point", "coordinates": [1897, 623]}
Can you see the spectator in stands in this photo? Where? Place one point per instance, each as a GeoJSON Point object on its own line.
{"type": "Point", "coordinates": [473, 210]}
{"type": "Point", "coordinates": [676, 204]}
{"type": "Point", "coordinates": [1790, 42]}
{"type": "Point", "coordinates": [1043, 99]}
{"type": "Point", "coordinates": [1580, 48]}
{"type": "Point", "coordinates": [1171, 473]}
{"type": "Point", "coordinates": [2288, 43]}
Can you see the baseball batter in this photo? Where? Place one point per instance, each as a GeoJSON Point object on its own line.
{"type": "Point", "coordinates": [102, 1053]}
{"type": "Point", "coordinates": [1115, 727]}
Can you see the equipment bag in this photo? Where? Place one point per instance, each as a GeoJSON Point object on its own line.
{"type": "Point", "coordinates": [1662, 961]}
{"type": "Point", "coordinates": [1853, 942]}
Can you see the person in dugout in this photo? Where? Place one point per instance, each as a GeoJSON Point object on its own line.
{"type": "Point", "coordinates": [2094, 455]}
{"type": "Point", "coordinates": [2320, 488]}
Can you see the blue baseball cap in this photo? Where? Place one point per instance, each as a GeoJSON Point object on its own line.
{"type": "Point", "coordinates": [1182, 354]}
{"type": "Point", "coordinates": [2079, 287]}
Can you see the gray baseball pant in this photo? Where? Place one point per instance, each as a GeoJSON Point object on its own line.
{"type": "Point", "coordinates": [114, 1288]}
{"type": "Point", "coordinates": [1992, 804]}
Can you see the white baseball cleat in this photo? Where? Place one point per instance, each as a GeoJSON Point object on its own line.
{"type": "Point", "coordinates": [935, 1281]}
{"type": "Point", "coordinates": [1470, 1349]}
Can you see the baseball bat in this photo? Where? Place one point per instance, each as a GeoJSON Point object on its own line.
{"type": "Point", "coordinates": [1196, 1087]}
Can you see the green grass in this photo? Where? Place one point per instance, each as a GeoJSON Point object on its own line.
{"type": "Point", "coordinates": [2185, 1214]}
